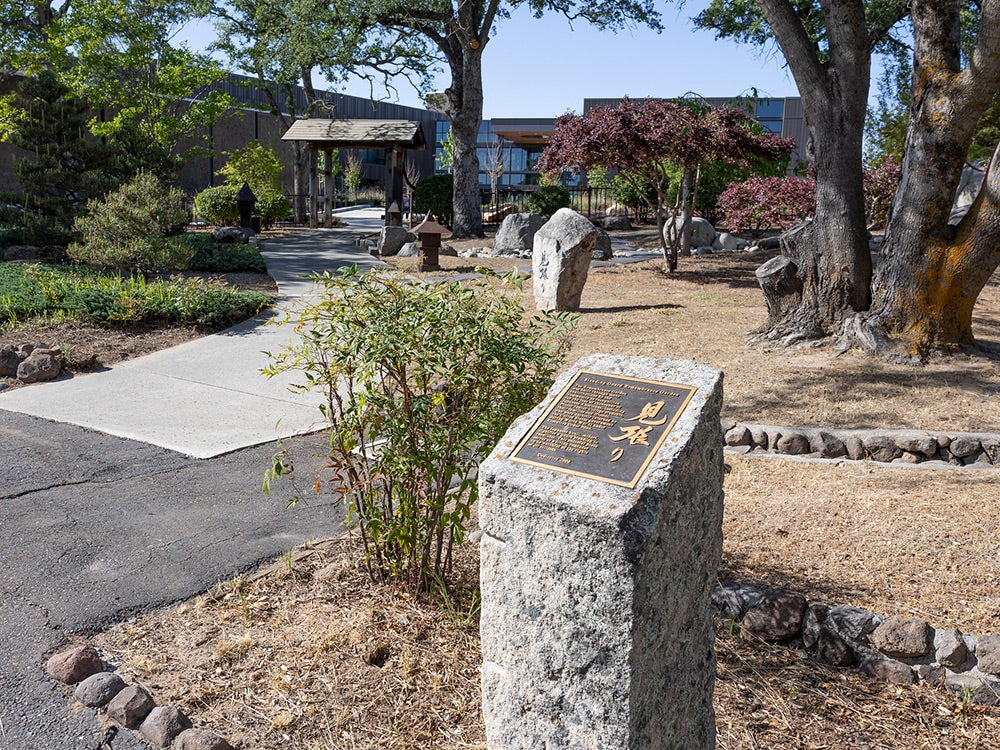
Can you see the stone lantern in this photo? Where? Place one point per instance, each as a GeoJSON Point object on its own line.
{"type": "Point", "coordinates": [245, 201]}
{"type": "Point", "coordinates": [393, 215]}
{"type": "Point", "coordinates": [429, 234]}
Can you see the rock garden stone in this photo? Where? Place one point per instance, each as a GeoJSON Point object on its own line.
{"type": "Point", "coordinates": [773, 436]}
{"type": "Point", "coordinates": [616, 209]}
{"type": "Point", "coordinates": [561, 260]}
{"type": "Point", "coordinates": [602, 247]}
{"type": "Point", "coordinates": [988, 654]}
{"type": "Point", "coordinates": [733, 599]}
{"type": "Point", "coordinates": [855, 448]}
{"type": "Point", "coordinates": [130, 707]}
{"type": "Point", "coordinates": [614, 223]}
{"type": "Point", "coordinates": [726, 241]}
{"type": "Point", "coordinates": [902, 638]}
{"type": "Point", "coordinates": [759, 435]}
{"type": "Point", "coordinates": [39, 366]}
{"type": "Point", "coordinates": [888, 670]}
{"type": "Point", "coordinates": [793, 444]}
{"type": "Point", "coordinates": [992, 450]}
{"type": "Point", "coordinates": [702, 231]}
{"type": "Point", "coordinates": [392, 239]}
{"type": "Point", "coordinates": [739, 435]}
{"type": "Point", "coordinates": [777, 617]}
{"type": "Point", "coordinates": [979, 457]}
{"type": "Point", "coordinates": [908, 458]}
{"type": "Point", "coordinates": [950, 649]}
{"type": "Point", "coordinates": [812, 623]}
{"type": "Point", "coordinates": [882, 448]}
{"type": "Point", "coordinates": [961, 447]}
{"type": "Point", "coordinates": [933, 675]}
{"type": "Point", "coordinates": [448, 251]}
{"type": "Point", "coordinates": [163, 725]}
{"type": "Point", "coordinates": [233, 235]}
{"type": "Point", "coordinates": [703, 250]}
{"type": "Point", "coordinates": [409, 250]}
{"type": "Point", "coordinates": [833, 650]}
{"type": "Point", "coordinates": [9, 361]}
{"type": "Point", "coordinates": [200, 739]}
{"type": "Point", "coordinates": [853, 622]}
{"type": "Point", "coordinates": [827, 445]}
{"type": "Point", "coordinates": [517, 233]}
{"type": "Point", "coordinates": [75, 664]}
{"type": "Point", "coordinates": [984, 692]}
{"type": "Point", "coordinates": [98, 689]}
{"type": "Point", "coordinates": [922, 443]}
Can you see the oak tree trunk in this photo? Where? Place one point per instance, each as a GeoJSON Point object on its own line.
{"type": "Point", "coordinates": [931, 273]}
{"type": "Point", "coordinates": [833, 259]}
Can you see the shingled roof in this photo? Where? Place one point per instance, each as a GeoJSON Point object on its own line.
{"type": "Point", "coordinates": [357, 133]}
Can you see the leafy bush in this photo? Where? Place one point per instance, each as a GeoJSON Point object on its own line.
{"type": "Point", "coordinates": [217, 205]}
{"type": "Point", "coordinates": [421, 380]}
{"type": "Point", "coordinates": [624, 191]}
{"type": "Point", "coordinates": [548, 199]}
{"type": "Point", "coordinates": [767, 202]}
{"type": "Point", "coordinates": [272, 205]}
{"type": "Point", "coordinates": [134, 229]}
{"type": "Point", "coordinates": [435, 194]}
{"type": "Point", "coordinates": [32, 291]}
{"type": "Point", "coordinates": [880, 188]}
{"type": "Point", "coordinates": [223, 257]}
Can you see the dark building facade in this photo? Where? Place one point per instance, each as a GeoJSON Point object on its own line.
{"type": "Point", "coordinates": [253, 120]}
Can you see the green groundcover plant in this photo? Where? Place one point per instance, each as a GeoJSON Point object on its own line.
{"type": "Point", "coordinates": [421, 381]}
{"type": "Point", "coordinates": [78, 292]}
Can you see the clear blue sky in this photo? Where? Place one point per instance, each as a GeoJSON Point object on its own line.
{"type": "Point", "coordinates": [544, 67]}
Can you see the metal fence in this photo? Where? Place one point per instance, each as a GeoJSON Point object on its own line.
{"type": "Point", "coordinates": [588, 201]}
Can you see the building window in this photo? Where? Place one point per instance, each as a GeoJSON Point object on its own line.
{"type": "Point", "coordinates": [770, 113]}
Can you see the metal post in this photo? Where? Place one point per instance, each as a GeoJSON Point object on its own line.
{"type": "Point", "coordinates": [328, 188]}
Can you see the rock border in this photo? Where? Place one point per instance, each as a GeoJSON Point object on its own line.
{"type": "Point", "coordinates": [897, 649]}
{"type": "Point", "coordinates": [930, 449]}
{"type": "Point", "coordinates": [129, 706]}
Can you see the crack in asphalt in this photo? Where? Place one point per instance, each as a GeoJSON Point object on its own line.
{"type": "Point", "coordinates": [57, 485]}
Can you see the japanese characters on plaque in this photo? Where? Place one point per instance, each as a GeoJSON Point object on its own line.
{"type": "Point", "coordinates": [605, 427]}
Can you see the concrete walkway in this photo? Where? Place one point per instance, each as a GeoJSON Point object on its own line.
{"type": "Point", "coordinates": [207, 397]}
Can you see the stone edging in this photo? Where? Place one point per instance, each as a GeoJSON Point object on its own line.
{"type": "Point", "coordinates": [897, 649]}
{"type": "Point", "coordinates": [129, 706]}
{"type": "Point", "coordinates": [932, 449]}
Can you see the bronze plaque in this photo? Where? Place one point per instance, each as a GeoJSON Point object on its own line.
{"type": "Point", "coordinates": [604, 427]}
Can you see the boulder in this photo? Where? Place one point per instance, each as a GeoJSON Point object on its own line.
{"type": "Point", "coordinates": [702, 231]}
{"type": "Point", "coordinates": [233, 235]}
{"type": "Point", "coordinates": [950, 649]}
{"type": "Point", "coordinates": [613, 223]}
{"type": "Point", "coordinates": [561, 260]}
{"type": "Point", "coordinates": [827, 445]}
{"type": "Point", "coordinates": [392, 239]}
{"type": "Point", "coordinates": [409, 250]}
{"type": "Point", "coordinates": [616, 209]}
{"type": "Point", "coordinates": [40, 365]}
{"type": "Point", "coordinates": [130, 707]}
{"type": "Point", "coordinates": [602, 247]}
{"type": "Point", "coordinates": [794, 444]}
{"type": "Point", "coordinates": [732, 600]}
{"type": "Point", "coordinates": [961, 447]}
{"type": "Point", "coordinates": [853, 622]}
{"type": "Point", "coordinates": [882, 448]}
{"type": "Point", "coordinates": [517, 233]}
{"type": "Point", "coordinates": [988, 654]}
{"type": "Point", "coordinates": [75, 664]}
{"type": "Point", "coordinates": [738, 435]}
{"type": "Point", "coordinates": [777, 617]}
{"type": "Point", "coordinates": [98, 689]}
{"type": "Point", "coordinates": [163, 725]}
{"type": "Point", "coordinates": [917, 442]}
{"type": "Point", "coordinates": [902, 638]}
{"type": "Point", "coordinates": [727, 242]}
{"type": "Point", "coordinates": [9, 361]}
{"type": "Point", "coordinates": [888, 670]}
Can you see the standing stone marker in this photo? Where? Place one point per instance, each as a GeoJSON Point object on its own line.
{"type": "Point", "coordinates": [563, 248]}
{"type": "Point", "coordinates": [596, 619]}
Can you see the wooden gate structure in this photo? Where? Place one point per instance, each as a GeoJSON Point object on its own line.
{"type": "Point", "coordinates": [394, 136]}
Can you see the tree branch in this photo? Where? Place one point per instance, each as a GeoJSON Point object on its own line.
{"type": "Point", "coordinates": [809, 72]}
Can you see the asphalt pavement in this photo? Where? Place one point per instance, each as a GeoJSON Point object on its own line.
{"type": "Point", "coordinates": [105, 510]}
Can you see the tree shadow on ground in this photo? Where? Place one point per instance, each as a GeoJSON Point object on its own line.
{"type": "Point", "coordinates": [736, 567]}
{"type": "Point", "coordinates": [630, 308]}
{"type": "Point", "coordinates": [735, 271]}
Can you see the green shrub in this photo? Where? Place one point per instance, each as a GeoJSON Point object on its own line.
{"type": "Point", "coordinates": [272, 205]}
{"type": "Point", "coordinates": [217, 205]}
{"type": "Point", "coordinates": [34, 291]}
{"type": "Point", "coordinates": [134, 229]}
{"type": "Point", "coordinates": [421, 381]}
{"type": "Point", "coordinates": [435, 194]}
{"type": "Point", "coordinates": [223, 257]}
{"type": "Point", "coordinates": [625, 193]}
{"type": "Point", "coordinates": [548, 199]}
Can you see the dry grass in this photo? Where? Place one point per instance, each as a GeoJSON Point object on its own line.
{"type": "Point", "coordinates": [309, 655]}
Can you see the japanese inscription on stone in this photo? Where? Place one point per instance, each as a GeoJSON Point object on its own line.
{"type": "Point", "coordinates": [604, 427]}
